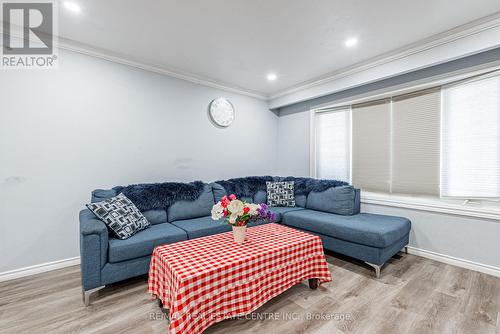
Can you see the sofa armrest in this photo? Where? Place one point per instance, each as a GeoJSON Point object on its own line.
{"type": "Point", "coordinates": [357, 201]}
{"type": "Point", "coordinates": [93, 249]}
{"type": "Point", "coordinates": [92, 226]}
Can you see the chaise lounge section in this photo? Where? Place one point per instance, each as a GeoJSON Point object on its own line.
{"type": "Point", "coordinates": [327, 208]}
{"type": "Point", "coordinates": [368, 237]}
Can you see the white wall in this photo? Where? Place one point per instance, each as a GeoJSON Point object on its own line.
{"type": "Point", "coordinates": [293, 144]}
{"type": "Point", "coordinates": [96, 124]}
{"type": "Point", "coordinates": [465, 238]}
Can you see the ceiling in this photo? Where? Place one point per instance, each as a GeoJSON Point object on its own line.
{"type": "Point", "coordinates": [238, 42]}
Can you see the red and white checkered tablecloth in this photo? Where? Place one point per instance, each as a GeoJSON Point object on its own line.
{"type": "Point", "coordinates": [206, 280]}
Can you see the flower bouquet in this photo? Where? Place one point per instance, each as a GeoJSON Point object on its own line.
{"type": "Point", "coordinates": [239, 213]}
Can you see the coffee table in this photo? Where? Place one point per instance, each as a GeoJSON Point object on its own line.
{"type": "Point", "coordinates": [206, 280]}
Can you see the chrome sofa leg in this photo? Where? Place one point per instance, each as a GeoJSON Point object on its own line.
{"type": "Point", "coordinates": [86, 295]}
{"type": "Point", "coordinates": [376, 267]}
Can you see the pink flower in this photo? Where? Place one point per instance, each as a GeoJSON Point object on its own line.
{"type": "Point", "coordinates": [224, 201]}
{"type": "Point", "coordinates": [232, 197]}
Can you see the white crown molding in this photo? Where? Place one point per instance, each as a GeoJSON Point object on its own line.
{"type": "Point", "coordinates": [414, 86]}
{"type": "Point", "coordinates": [470, 29]}
{"type": "Point", "coordinates": [70, 45]}
{"type": "Point", "coordinates": [476, 266]}
{"type": "Point", "coordinates": [467, 30]}
{"type": "Point", "coordinates": [38, 269]}
{"type": "Point", "coordinates": [454, 34]}
{"type": "Point", "coordinates": [160, 69]}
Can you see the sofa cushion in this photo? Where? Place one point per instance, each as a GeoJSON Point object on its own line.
{"type": "Point", "coordinates": [155, 216]}
{"type": "Point", "coordinates": [300, 200]}
{"type": "Point", "coordinates": [364, 228]}
{"type": "Point", "coordinates": [143, 243]}
{"type": "Point", "coordinates": [203, 226]}
{"type": "Point", "coordinates": [338, 200]}
{"type": "Point", "coordinates": [281, 210]}
{"type": "Point", "coordinates": [218, 191]}
{"type": "Point", "coordinates": [260, 197]}
{"type": "Point", "coordinates": [202, 206]}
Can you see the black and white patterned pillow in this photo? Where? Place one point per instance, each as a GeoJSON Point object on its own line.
{"type": "Point", "coordinates": [280, 193]}
{"type": "Point", "coordinates": [120, 215]}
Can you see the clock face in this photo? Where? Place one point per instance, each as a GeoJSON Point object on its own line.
{"type": "Point", "coordinates": [221, 112]}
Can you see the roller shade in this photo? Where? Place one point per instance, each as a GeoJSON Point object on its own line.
{"type": "Point", "coordinates": [415, 142]}
{"type": "Point", "coordinates": [371, 141]}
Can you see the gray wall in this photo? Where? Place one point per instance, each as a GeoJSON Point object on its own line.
{"type": "Point", "coordinates": [96, 124]}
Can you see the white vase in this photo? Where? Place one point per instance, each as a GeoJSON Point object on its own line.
{"type": "Point", "coordinates": [239, 234]}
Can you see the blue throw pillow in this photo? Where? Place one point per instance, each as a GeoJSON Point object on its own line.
{"type": "Point", "coordinates": [338, 200]}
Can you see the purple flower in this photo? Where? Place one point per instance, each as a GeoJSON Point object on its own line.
{"type": "Point", "coordinates": [263, 213]}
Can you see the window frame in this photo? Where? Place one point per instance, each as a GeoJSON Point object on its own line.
{"type": "Point", "coordinates": [486, 208]}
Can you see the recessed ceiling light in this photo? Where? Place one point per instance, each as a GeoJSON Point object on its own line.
{"type": "Point", "coordinates": [350, 42]}
{"type": "Point", "coordinates": [71, 6]}
{"type": "Point", "coordinates": [272, 77]}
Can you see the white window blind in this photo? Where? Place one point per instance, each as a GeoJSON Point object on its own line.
{"type": "Point", "coordinates": [471, 139]}
{"type": "Point", "coordinates": [332, 144]}
{"type": "Point", "coordinates": [371, 139]}
{"type": "Point", "coordinates": [415, 142]}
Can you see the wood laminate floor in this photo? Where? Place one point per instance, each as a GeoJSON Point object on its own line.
{"type": "Point", "coordinates": [413, 295]}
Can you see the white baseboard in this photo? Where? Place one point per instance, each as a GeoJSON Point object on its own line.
{"type": "Point", "coordinates": [44, 267]}
{"type": "Point", "coordinates": [38, 269]}
{"type": "Point", "coordinates": [483, 268]}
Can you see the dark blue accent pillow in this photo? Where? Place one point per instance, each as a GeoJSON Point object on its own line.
{"type": "Point", "coordinates": [338, 200]}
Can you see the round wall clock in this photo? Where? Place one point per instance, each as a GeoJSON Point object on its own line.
{"type": "Point", "coordinates": [221, 112]}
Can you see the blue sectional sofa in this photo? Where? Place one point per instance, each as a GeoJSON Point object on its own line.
{"type": "Point", "coordinates": [333, 214]}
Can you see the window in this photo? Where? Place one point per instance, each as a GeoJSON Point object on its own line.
{"type": "Point", "coordinates": [395, 144]}
{"type": "Point", "coordinates": [443, 141]}
{"type": "Point", "coordinates": [471, 139]}
{"type": "Point", "coordinates": [332, 144]}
